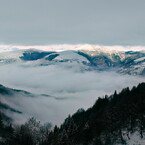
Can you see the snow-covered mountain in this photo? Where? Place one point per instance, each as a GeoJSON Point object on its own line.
{"type": "Point", "coordinates": [126, 60]}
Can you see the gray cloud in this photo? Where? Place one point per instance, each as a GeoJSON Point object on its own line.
{"type": "Point", "coordinates": [104, 22]}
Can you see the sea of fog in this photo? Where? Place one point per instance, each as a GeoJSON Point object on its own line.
{"type": "Point", "coordinates": [59, 89]}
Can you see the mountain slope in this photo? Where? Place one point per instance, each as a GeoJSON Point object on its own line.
{"type": "Point", "coordinates": [120, 60]}
{"type": "Point", "coordinates": [7, 106]}
{"type": "Point", "coordinates": [118, 119]}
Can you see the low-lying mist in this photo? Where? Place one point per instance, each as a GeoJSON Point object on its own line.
{"type": "Point", "coordinates": [59, 89]}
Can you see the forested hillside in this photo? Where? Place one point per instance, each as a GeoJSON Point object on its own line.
{"type": "Point", "coordinates": [111, 120]}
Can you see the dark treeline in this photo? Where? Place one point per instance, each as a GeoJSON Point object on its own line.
{"type": "Point", "coordinates": [105, 123]}
{"type": "Point", "coordinates": [6, 129]}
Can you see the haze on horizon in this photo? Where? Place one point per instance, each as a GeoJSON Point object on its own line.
{"type": "Point", "coordinates": [36, 22]}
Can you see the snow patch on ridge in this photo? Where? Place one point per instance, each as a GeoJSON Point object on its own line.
{"type": "Point", "coordinates": [65, 47]}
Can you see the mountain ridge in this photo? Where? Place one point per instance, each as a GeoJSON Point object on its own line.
{"type": "Point", "coordinates": [130, 62]}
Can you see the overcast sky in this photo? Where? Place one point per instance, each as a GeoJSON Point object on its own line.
{"type": "Point", "coordinates": [41, 22]}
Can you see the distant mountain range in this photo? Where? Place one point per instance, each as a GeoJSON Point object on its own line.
{"type": "Point", "coordinates": [125, 61]}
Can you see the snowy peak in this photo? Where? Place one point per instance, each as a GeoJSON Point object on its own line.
{"type": "Point", "coordinates": [85, 47]}
{"type": "Point", "coordinates": [70, 55]}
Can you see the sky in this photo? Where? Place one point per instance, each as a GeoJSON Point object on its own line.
{"type": "Point", "coordinates": [44, 22]}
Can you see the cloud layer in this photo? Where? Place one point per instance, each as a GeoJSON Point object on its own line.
{"type": "Point", "coordinates": [60, 89]}
{"type": "Point", "coordinates": [79, 21]}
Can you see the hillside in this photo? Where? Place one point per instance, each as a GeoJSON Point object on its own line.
{"type": "Point", "coordinates": [111, 120]}
{"type": "Point", "coordinates": [116, 119]}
